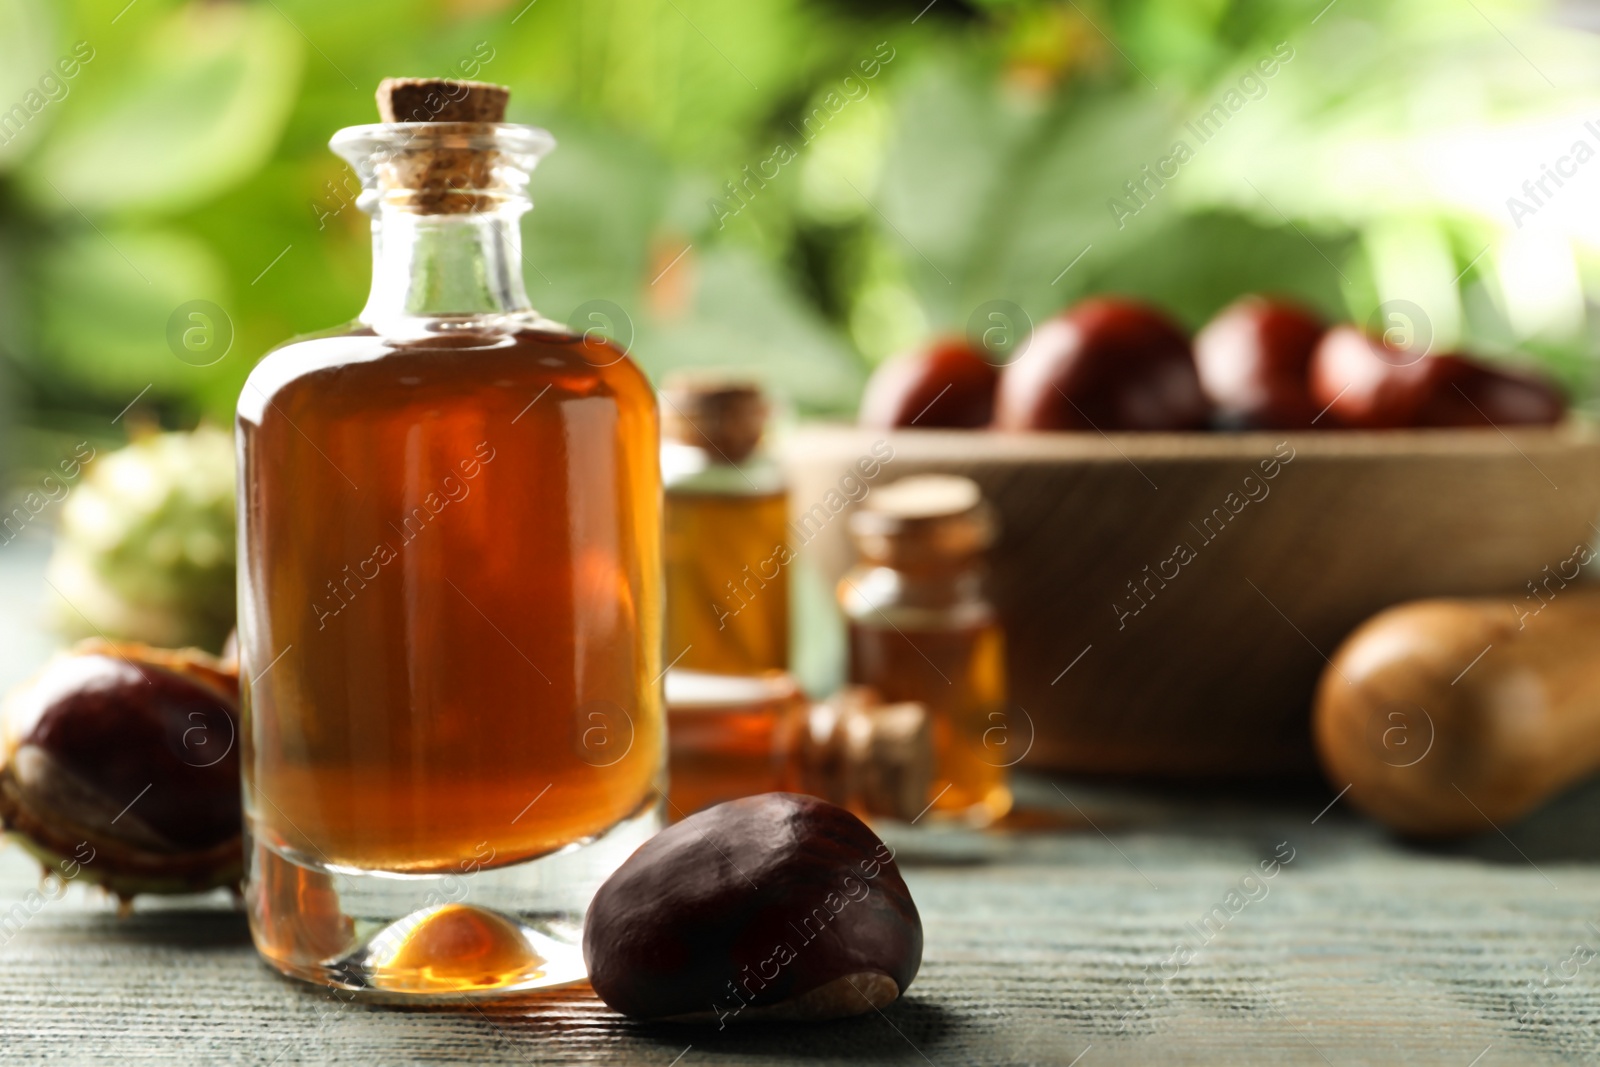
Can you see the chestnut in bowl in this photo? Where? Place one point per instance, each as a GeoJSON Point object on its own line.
{"type": "Point", "coordinates": [1472, 393]}
{"type": "Point", "coordinates": [1368, 383]}
{"type": "Point", "coordinates": [948, 384]}
{"type": "Point", "coordinates": [1106, 364]}
{"type": "Point", "coordinates": [1254, 362]}
{"type": "Point", "coordinates": [777, 906]}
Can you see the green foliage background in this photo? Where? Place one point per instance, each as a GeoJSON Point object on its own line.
{"type": "Point", "coordinates": [187, 160]}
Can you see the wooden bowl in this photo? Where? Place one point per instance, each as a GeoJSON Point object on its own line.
{"type": "Point", "coordinates": [1170, 599]}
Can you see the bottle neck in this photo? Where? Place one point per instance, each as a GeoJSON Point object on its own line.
{"type": "Point", "coordinates": [690, 469]}
{"type": "Point", "coordinates": [426, 266]}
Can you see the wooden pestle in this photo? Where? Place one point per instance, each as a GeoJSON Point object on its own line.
{"type": "Point", "coordinates": [1451, 717]}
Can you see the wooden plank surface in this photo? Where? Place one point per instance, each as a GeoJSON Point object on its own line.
{"type": "Point", "coordinates": [1039, 947]}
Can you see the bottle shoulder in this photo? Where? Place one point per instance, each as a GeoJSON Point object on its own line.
{"type": "Point", "coordinates": [872, 592]}
{"type": "Point", "coordinates": [690, 471]}
{"type": "Point", "coordinates": [359, 367]}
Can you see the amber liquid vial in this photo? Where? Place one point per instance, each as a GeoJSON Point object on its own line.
{"type": "Point", "coordinates": [450, 601]}
{"type": "Point", "coordinates": [727, 538]}
{"type": "Point", "coordinates": [921, 630]}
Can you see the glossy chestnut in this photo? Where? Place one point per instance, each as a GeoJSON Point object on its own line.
{"type": "Point", "coordinates": [947, 384]}
{"type": "Point", "coordinates": [1254, 363]}
{"type": "Point", "coordinates": [128, 753]}
{"type": "Point", "coordinates": [1105, 364]}
{"type": "Point", "coordinates": [778, 906]}
{"type": "Point", "coordinates": [1367, 383]}
{"type": "Point", "coordinates": [1472, 393]}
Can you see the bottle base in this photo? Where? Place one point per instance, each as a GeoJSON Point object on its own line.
{"type": "Point", "coordinates": [403, 938]}
{"type": "Point", "coordinates": [977, 813]}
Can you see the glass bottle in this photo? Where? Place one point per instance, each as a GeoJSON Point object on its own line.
{"type": "Point", "coordinates": [921, 630]}
{"type": "Point", "coordinates": [450, 596]}
{"type": "Point", "coordinates": [727, 540]}
{"type": "Point", "coordinates": [735, 736]}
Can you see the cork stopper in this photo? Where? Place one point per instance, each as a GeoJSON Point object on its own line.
{"type": "Point", "coordinates": [891, 749]}
{"type": "Point", "coordinates": [441, 100]}
{"type": "Point", "coordinates": [724, 416]}
{"type": "Point", "coordinates": [871, 757]}
{"type": "Point", "coordinates": [928, 518]}
{"type": "Point", "coordinates": [449, 169]}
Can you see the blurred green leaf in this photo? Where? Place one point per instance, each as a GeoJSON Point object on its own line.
{"type": "Point", "coordinates": [986, 164]}
{"type": "Point", "coordinates": [598, 201]}
{"type": "Point", "coordinates": [1194, 264]}
{"type": "Point", "coordinates": [28, 33]}
{"type": "Point", "coordinates": [1023, 189]}
{"type": "Point", "coordinates": [200, 108]}
{"type": "Point", "coordinates": [744, 317]}
{"type": "Point", "coordinates": [104, 301]}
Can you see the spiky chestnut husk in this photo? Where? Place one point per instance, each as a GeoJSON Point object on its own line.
{"type": "Point", "coordinates": [120, 764]}
{"type": "Point", "coordinates": [145, 550]}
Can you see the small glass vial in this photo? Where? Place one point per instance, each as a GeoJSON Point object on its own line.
{"type": "Point", "coordinates": [727, 540]}
{"type": "Point", "coordinates": [921, 630]}
{"type": "Point", "coordinates": [450, 593]}
{"type": "Point", "coordinates": [738, 735]}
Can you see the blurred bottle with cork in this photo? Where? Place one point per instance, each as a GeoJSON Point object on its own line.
{"type": "Point", "coordinates": [727, 542]}
{"type": "Point", "coordinates": [738, 722]}
{"type": "Point", "coordinates": [923, 630]}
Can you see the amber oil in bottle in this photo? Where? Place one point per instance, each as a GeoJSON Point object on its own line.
{"type": "Point", "coordinates": [921, 630]}
{"type": "Point", "coordinates": [450, 593]}
{"type": "Point", "coordinates": [727, 548]}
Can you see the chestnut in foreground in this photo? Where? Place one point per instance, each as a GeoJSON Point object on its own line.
{"type": "Point", "coordinates": [948, 384]}
{"type": "Point", "coordinates": [1367, 383]}
{"type": "Point", "coordinates": [1254, 362]}
{"type": "Point", "coordinates": [777, 906]}
{"type": "Point", "coordinates": [121, 765]}
{"type": "Point", "coordinates": [1105, 364]}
